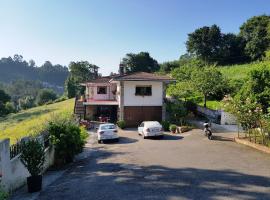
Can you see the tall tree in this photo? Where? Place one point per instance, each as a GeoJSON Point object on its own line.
{"type": "Point", "coordinates": [80, 72]}
{"type": "Point", "coordinates": [205, 43]}
{"type": "Point", "coordinates": [141, 62]}
{"type": "Point", "coordinates": [255, 33]}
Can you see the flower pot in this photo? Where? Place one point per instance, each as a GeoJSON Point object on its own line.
{"type": "Point", "coordinates": [34, 183]}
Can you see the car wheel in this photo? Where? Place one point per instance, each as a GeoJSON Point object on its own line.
{"type": "Point", "coordinates": [117, 140]}
{"type": "Point", "coordinates": [99, 141]}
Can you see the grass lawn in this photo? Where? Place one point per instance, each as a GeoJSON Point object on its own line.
{"type": "Point", "coordinates": [28, 122]}
{"type": "Point", "coordinates": [242, 71]}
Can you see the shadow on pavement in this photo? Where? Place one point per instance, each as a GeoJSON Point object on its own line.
{"type": "Point", "coordinates": [128, 181]}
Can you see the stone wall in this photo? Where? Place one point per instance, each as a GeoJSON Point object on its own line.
{"type": "Point", "coordinates": [217, 116]}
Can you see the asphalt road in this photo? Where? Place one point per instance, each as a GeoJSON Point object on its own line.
{"type": "Point", "coordinates": [176, 167]}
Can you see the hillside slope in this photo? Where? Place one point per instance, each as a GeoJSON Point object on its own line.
{"type": "Point", "coordinates": [242, 71]}
{"type": "Point", "coordinates": [16, 126]}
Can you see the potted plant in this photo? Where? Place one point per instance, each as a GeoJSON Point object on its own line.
{"type": "Point", "coordinates": [173, 128]}
{"type": "Point", "coordinates": [33, 157]}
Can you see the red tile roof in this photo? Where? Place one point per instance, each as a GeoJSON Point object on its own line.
{"type": "Point", "coordinates": [136, 76]}
{"type": "Point", "coordinates": [142, 76]}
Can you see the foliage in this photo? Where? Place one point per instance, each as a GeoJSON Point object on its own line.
{"type": "Point", "coordinates": [3, 194]}
{"type": "Point", "coordinates": [257, 88]}
{"type": "Point", "coordinates": [80, 72]}
{"type": "Point", "coordinates": [26, 102]}
{"type": "Point", "coordinates": [66, 136]}
{"type": "Point", "coordinates": [4, 105]}
{"type": "Point", "coordinates": [17, 68]}
{"type": "Point", "coordinates": [31, 121]}
{"type": "Point", "coordinates": [121, 124]}
{"type": "Point", "coordinates": [204, 42]}
{"type": "Point", "coordinates": [33, 156]}
{"type": "Point", "coordinates": [165, 125]}
{"type": "Point", "coordinates": [177, 111]}
{"type": "Point", "coordinates": [167, 67]}
{"type": "Point", "coordinates": [210, 45]}
{"type": "Point", "coordinates": [141, 62]}
{"type": "Point", "coordinates": [210, 82]}
{"type": "Point", "coordinates": [255, 33]}
{"type": "Point", "coordinates": [45, 96]}
{"type": "Point", "coordinates": [247, 112]}
{"type": "Point", "coordinates": [173, 127]}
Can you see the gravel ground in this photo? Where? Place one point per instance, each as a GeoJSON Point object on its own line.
{"type": "Point", "coordinates": [175, 167]}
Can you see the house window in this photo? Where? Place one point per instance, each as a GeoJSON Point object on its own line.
{"type": "Point", "coordinates": [101, 90]}
{"type": "Point", "coordinates": [143, 90]}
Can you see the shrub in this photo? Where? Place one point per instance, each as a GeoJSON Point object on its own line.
{"type": "Point", "coordinates": [33, 156]}
{"type": "Point", "coordinates": [67, 137]}
{"type": "Point", "coordinates": [3, 194]}
{"type": "Point", "coordinates": [121, 124]}
{"type": "Point", "coordinates": [165, 125]}
{"type": "Point", "coordinates": [173, 127]}
{"type": "Point", "coordinates": [46, 95]}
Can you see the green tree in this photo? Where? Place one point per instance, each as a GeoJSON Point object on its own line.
{"type": "Point", "coordinates": [205, 43]}
{"type": "Point", "coordinates": [255, 33]}
{"type": "Point", "coordinates": [45, 96]}
{"type": "Point", "coordinates": [141, 62]}
{"type": "Point", "coordinates": [80, 72]}
{"type": "Point", "coordinates": [257, 88]}
{"type": "Point", "coordinates": [4, 103]}
{"type": "Point", "coordinates": [209, 82]}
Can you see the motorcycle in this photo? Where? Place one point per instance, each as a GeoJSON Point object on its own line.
{"type": "Point", "coordinates": [207, 130]}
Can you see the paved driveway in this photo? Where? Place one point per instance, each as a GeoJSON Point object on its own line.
{"type": "Point", "coordinates": [176, 167]}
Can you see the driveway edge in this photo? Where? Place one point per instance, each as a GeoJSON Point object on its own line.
{"type": "Point", "coordinates": [253, 145]}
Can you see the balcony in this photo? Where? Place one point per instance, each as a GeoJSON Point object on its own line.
{"type": "Point", "coordinates": [101, 95]}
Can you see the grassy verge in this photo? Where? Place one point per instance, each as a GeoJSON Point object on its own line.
{"type": "Point", "coordinates": [29, 122]}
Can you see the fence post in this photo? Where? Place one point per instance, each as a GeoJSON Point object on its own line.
{"type": "Point", "coordinates": [5, 163]}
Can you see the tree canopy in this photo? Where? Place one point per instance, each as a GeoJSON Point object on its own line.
{"type": "Point", "coordinates": [17, 68]}
{"type": "Point", "coordinates": [141, 62]}
{"type": "Point", "coordinates": [80, 72]}
{"type": "Point", "coordinates": [255, 32]}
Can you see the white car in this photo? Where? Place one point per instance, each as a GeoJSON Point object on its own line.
{"type": "Point", "coordinates": [107, 132]}
{"type": "Point", "coordinates": [150, 129]}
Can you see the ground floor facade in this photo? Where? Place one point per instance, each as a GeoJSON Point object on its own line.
{"type": "Point", "coordinates": [132, 115]}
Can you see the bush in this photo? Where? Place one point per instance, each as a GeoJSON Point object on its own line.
{"type": "Point", "coordinates": [67, 137]}
{"type": "Point", "coordinates": [46, 95]}
{"type": "Point", "coordinates": [165, 125]}
{"type": "Point", "coordinates": [173, 127]}
{"type": "Point", "coordinates": [121, 124]}
{"type": "Point", "coordinates": [3, 194]}
{"type": "Point", "coordinates": [33, 156]}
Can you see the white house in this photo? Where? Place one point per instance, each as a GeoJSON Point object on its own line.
{"type": "Point", "coordinates": [133, 97]}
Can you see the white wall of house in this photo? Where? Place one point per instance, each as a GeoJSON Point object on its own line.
{"type": "Point", "coordinates": [130, 99]}
{"type": "Point", "coordinates": [91, 92]}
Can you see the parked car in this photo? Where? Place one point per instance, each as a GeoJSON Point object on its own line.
{"type": "Point", "coordinates": [107, 132]}
{"type": "Point", "coordinates": [150, 129]}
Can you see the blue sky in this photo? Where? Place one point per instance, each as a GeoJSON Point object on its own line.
{"type": "Point", "coordinates": [103, 31]}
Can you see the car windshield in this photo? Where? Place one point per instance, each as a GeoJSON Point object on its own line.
{"type": "Point", "coordinates": [107, 127]}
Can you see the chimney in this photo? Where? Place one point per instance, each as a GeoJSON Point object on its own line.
{"type": "Point", "coordinates": [122, 69]}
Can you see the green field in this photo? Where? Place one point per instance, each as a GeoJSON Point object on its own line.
{"type": "Point", "coordinates": [242, 71]}
{"type": "Point", "coordinates": [31, 121]}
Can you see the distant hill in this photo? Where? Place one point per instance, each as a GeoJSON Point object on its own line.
{"type": "Point", "coordinates": [16, 68]}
